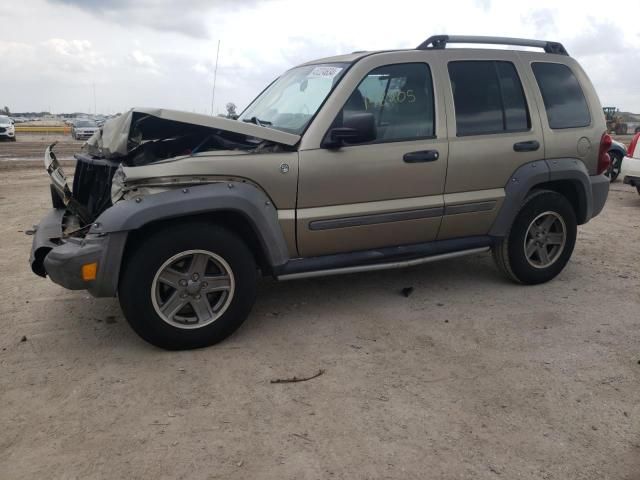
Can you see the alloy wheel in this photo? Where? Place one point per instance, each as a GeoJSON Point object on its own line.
{"type": "Point", "coordinates": [545, 239]}
{"type": "Point", "coordinates": [192, 289]}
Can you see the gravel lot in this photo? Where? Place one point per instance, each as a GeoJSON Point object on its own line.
{"type": "Point", "coordinates": [29, 148]}
{"type": "Point", "coordinates": [470, 377]}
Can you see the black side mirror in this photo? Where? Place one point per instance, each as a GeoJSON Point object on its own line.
{"type": "Point", "coordinates": [356, 128]}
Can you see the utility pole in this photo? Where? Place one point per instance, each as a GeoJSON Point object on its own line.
{"type": "Point", "coordinates": [95, 111]}
{"type": "Point", "coordinates": [215, 74]}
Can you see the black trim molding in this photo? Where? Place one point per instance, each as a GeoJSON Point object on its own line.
{"type": "Point", "coordinates": [359, 220]}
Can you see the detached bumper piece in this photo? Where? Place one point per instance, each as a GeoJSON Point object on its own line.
{"type": "Point", "coordinates": [67, 261]}
{"type": "Point", "coordinates": [45, 235]}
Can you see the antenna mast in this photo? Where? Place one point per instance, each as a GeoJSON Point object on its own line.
{"type": "Point", "coordinates": [215, 75]}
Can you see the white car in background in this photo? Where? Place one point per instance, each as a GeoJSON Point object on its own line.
{"type": "Point", "coordinates": [83, 129]}
{"type": "Point", "coordinates": [7, 128]}
{"type": "Point", "coordinates": [630, 168]}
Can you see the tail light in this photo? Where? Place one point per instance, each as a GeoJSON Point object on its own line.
{"type": "Point", "coordinates": [603, 156]}
{"type": "Point", "coordinates": [632, 146]}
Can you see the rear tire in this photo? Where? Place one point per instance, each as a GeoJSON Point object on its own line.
{"type": "Point", "coordinates": [188, 286]}
{"type": "Point", "coordinates": [540, 241]}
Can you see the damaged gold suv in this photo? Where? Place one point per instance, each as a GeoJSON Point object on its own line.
{"type": "Point", "coordinates": [359, 162]}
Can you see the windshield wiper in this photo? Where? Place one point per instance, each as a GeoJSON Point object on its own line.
{"type": "Point", "coordinates": [257, 121]}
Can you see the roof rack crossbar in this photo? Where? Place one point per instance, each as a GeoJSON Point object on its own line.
{"type": "Point", "coordinates": [439, 42]}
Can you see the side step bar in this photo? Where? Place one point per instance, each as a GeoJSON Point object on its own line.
{"type": "Point", "coordinates": [382, 258]}
{"type": "Point", "coordinates": [382, 266]}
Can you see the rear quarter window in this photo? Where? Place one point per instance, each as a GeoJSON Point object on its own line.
{"type": "Point", "coordinates": [563, 97]}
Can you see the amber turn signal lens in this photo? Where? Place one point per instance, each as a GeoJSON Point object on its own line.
{"type": "Point", "coordinates": [89, 271]}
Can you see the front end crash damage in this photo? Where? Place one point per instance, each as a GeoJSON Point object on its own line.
{"type": "Point", "coordinates": [68, 238]}
{"type": "Point", "coordinates": [143, 137]}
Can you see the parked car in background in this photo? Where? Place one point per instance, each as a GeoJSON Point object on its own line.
{"type": "Point", "coordinates": [616, 153]}
{"type": "Point", "coordinates": [7, 128]}
{"type": "Point", "coordinates": [83, 129]}
{"type": "Point", "coordinates": [630, 168]}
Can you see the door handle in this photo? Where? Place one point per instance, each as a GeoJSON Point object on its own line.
{"type": "Point", "coordinates": [421, 156]}
{"type": "Point", "coordinates": [530, 146]}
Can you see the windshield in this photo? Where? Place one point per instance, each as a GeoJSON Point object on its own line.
{"type": "Point", "coordinates": [4, 120]}
{"type": "Point", "coordinates": [291, 101]}
{"type": "Point", "coordinates": [86, 123]}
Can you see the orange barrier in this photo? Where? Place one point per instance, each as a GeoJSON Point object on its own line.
{"type": "Point", "coordinates": [43, 129]}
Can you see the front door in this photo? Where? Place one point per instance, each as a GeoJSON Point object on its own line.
{"type": "Point", "coordinates": [388, 191]}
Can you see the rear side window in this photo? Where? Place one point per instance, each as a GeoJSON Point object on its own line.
{"type": "Point", "coordinates": [488, 98]}
{"type": "Point", "coordinates": [563, 98]}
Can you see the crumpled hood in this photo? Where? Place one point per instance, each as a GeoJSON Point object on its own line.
{"type": "Point", "coordinates": [114, 139]}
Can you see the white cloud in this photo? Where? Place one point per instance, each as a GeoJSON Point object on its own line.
{"type": "Point", "coordinates": [68, 47]}
{"type": "Point", "coordinates": [200, 68]}
{"type": "Point", "coordinates": [144, 61]}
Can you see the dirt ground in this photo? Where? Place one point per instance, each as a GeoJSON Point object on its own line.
{"type": "Point", "coordinates": [29, 148]}
{"type": "Point", "coordinates": [470, 377]}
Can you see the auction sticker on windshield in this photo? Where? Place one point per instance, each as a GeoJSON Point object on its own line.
{"type": "Point", "coordinates": [325, 72]}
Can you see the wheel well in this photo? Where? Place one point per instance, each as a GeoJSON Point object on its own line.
{"type": "Point", "coordinates": [234, 221]}
{"type": "Point", "coordinates": [573, 192]}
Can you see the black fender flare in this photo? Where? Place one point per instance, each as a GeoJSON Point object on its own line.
{"type": "Point", "coordinates": [531, 175]}
{"type": "Point", "coordinates": [233, 196]}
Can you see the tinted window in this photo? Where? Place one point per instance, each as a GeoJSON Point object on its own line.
{"type": "Point", "coordinates": [563, 98]}
{"type": "Point", "coordinates": [516, 116]}
{"type": "Point", "coordinates": [488, 98]}
{"type": "Point", "coordinates": [400, 97]}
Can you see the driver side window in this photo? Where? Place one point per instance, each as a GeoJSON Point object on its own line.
{"type": "Point", "coordinates": [400, 97]}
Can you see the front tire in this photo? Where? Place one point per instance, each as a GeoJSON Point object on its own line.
{"type": "Point", "coordinates": [614, 168]}
{"type": "Point", "coordinates": [541, 239]}
{"type": "Point", "coordinates": [188, 286]}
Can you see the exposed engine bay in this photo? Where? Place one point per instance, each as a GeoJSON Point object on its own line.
{"type": "Point", "coordinates": [144, 136]}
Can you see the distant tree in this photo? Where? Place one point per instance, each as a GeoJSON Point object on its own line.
{"type": "Point", "coordinates": [231, 110]}
{"type": "Point", "coordinates": [6, 110]}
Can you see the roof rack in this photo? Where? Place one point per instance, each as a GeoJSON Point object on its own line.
{"type": "Point", "coordinates": [439, 42]}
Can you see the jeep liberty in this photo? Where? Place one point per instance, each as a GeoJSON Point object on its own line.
{"type": "Point", "coordinates": [353, 163]}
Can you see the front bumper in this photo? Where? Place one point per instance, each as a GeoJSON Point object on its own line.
{"type": "Point", "coordinates": [85, 135]}
{"type": "Point", "coordinates": [633, 181]}
{"type": "Point", "coordinates": [62, 258]}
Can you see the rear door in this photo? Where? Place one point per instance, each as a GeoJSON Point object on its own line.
{"type": "Point", "coordinates": [382, 193]}
{"type": "Point", "coordinates": [494, 128]}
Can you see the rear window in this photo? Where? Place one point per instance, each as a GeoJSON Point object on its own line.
{"type": "Point", "coordinates": [488, 98]}
{"type": "Point", "coordinates": [563, 98]}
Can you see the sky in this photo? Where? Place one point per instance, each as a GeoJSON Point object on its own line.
{"type": "Point", "coordinates": [54, 54]}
